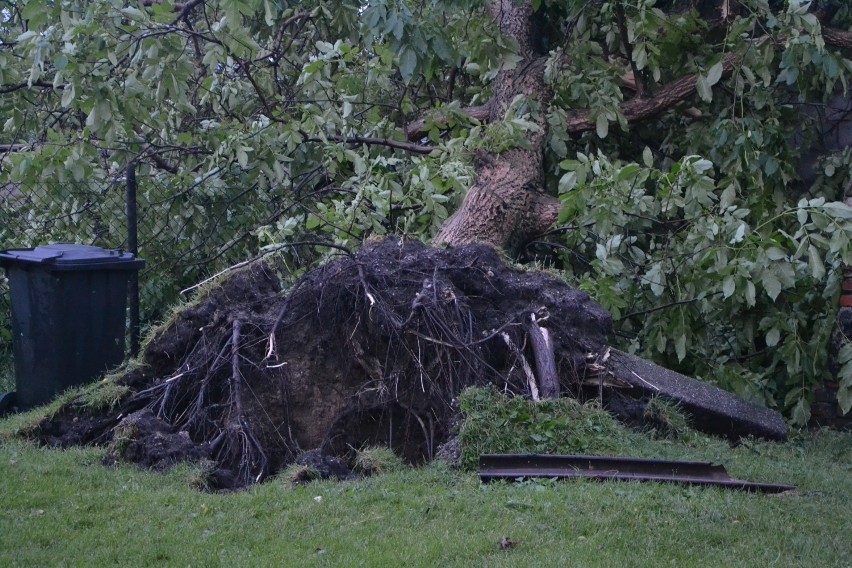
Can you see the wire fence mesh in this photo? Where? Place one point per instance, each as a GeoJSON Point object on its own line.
{"type": "Point", "coordinates": [183, 235]}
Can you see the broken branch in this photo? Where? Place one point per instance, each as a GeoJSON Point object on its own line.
{"type": "Point", "coordinates": [528, 372]}
{"type": "Point", "coordinates": [544, 362]}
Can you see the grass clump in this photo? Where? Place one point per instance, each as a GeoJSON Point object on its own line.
{"type": "Point", "coordinates": [26, 424]}
{"type": "Point", "coordinates": [376, 460]}
{"type": "Point", "coordinates": [124, 434]}
{"type": "Point", "coordinates": [665, 419]}
{"type": "Point", "coordinates": [103, 396]}
{"type": "Point", "coordinates": [199, 475]}
{"type": "Point", "coordinates": [7, 371]}
{"type": "Point", "coordinates": [496, 424]}
{"type": "Point", "coordinates": [298, 474]}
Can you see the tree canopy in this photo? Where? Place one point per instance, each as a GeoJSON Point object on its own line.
{"type": "Point", "coordinates": [678, 160]}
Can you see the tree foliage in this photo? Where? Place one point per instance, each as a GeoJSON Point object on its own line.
{"type": "Point", "coordinates": [684, 140]}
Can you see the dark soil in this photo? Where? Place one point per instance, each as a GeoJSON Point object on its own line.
{"type": "Point", "coordinates": [371, 349]}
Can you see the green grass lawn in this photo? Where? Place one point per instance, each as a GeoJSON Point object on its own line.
{"type": "Point", "coordinates": [62, 508]}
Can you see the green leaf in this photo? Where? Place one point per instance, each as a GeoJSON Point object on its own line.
{"type": "Point", "coordinates": [772, 337]}
{"type": "Point", "coordinates": [660, 342]}
{"type": "Point", "coordinates": [567, 182]}
{"type": "Point", "coordinates": [703, 88]}
{"type": "Point", "coordinates": [602, 125]}
{"type": "Point", "coordinates": [268, 15]}
{"type": "Point", "coordinates": [771, 284]}
{"type": "Point", "coordinates": [656, 279]}
{"type": "Point", "coordinates": [775, 253]}
{"type": "Point", "coordinates": [25, 36]}
{"type": "Point", "coordinates": [815, 263]}
{"type": "Point", "coordinates": [729, 286]}
{"type": "Point", "coordinates": [628, 172]}
{"type": "Point", "coordinates": [442, 50]}
{"type": "Point", "coordinates": [133, 13]}
{"type": "Point", "coordinates": [801, 412]}
{"type": "Point", "coordinates": [680, 347]}
{"type": "Point", "coordinates": [750, 294]}
{"type": "Point", "coordinates": [727, 198]}
{"type": "Point", "coordinates": [68, 94]}
{"type": "Point", "coordinates": [648, 157]}
{"type": "Point", "coordinates": [714, 74]}
{"type": "Point", "coordinates": [838, 209]}
{"type": "Point", "coordinates": [407, 64]}
{"type": "Point", "coordinates": [739, 235]}
{"type": "Point", "coordinates": [844, 399]}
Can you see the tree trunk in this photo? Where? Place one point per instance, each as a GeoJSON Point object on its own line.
{"type": "Point", "coordinates": [507, 206]}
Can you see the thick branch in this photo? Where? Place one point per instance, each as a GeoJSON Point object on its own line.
{"type": "Point", "coordinates": [837, 38]}
{"type": "Point", "coordinates": [18, 86]}
{"type": "Point", "coordinates": [160, 161]}
{"type": "Point", "coordinates": [279, 36]}
{"type": "Point", "coordinates": [399, 145]}
{"type": "Point", "coordinates": [681, 89]}
{"type": "Point", "coordinates": [13, 147]}
{"type": "Point", "coordinates": [665, 98]}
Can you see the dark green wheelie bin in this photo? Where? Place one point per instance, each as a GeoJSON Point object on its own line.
{"type": "Point", "coordinates": [68, 317]}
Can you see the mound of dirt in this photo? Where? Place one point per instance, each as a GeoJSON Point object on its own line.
{"type": "Point", "coordinates": [370, 349]}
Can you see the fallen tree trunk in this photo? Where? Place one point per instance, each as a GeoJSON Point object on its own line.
{"type": "Point", "coordinates": [711, 409]}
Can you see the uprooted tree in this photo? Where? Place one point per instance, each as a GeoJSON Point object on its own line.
{"type": "Point", "coordinates": [675, 159]}
{"type": "Point", "coordinates": [367, 350]}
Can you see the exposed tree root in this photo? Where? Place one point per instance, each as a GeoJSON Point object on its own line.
{"type": "Point", "coordinates": [368, 350]}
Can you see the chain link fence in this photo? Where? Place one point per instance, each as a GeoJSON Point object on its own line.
{"type": "Point", "coordinates": [183, 235]}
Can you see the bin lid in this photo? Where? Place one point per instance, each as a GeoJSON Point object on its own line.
{"type": "Point", "coordinates": [66, 256]}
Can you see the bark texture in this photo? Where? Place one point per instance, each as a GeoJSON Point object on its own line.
{"type": "Point", "coordinates": [507, 205]}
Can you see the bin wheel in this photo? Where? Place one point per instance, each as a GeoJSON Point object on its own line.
{"type": "Point", "coordinates": [8, 401]}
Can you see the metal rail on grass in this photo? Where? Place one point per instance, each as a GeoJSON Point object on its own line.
{"type": "Point", "coordinates": [519, 466]}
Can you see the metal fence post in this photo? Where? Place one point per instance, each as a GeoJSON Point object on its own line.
{"type": "Point", "coordinates": [133, 247]}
